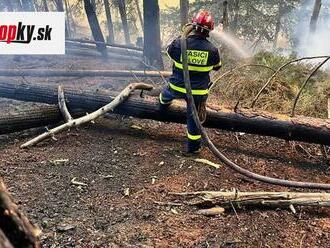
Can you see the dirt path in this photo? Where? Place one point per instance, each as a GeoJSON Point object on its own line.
{"type": "Point", "coordinates": [117, 154]}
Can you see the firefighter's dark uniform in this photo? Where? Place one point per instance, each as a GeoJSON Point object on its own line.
{"type": "Point", "coordinates": [203, 57]}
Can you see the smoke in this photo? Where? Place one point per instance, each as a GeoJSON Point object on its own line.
{"type": "Point", "coordinates": [230, 41]}
{"type": "Point", "coordinates": [312, 44]}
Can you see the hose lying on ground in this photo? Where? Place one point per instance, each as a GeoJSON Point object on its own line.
{"type": "Point", "coordinates": [216, 152]}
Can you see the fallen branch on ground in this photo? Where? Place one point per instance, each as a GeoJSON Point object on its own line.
{"type": "Point", "coordinates": [269, 199]}
{"type": "Point", "coordinates": [15, 228]}
{"type": "Point", "coordinates": [123, 95]}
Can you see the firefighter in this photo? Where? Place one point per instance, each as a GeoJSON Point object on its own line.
{"type": "Point", "coordinates": [203, 57]}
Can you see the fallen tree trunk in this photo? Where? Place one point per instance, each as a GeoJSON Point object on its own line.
{"type": "Point", "coordinates": [107, 44]}
{"type": "Point", "coordinates": [122, 51]}
{"type": "Point", "coordinates": [270, 199]}
{"type": "Point", "coordinates": [299, 128]}
{"type": "Point", "coordinates": [80, 73]}
{"type": "Point", "coordinates": [35, 116]}
{"type": "Point", "coordinates": [87, 52]}
{"type": "Point", "coordinates": [15, 228]}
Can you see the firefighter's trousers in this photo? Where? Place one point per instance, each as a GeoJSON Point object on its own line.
{"type": "Point", "coordinates": [193, 133]}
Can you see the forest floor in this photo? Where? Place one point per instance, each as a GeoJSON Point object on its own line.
{"type": "Point", "coordinates": [129, 166]}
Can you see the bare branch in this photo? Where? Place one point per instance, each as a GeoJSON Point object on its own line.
{"type": "Point", "coordinates": [280, 69]}
{"type": "Point", "coordinates": [123, 95]}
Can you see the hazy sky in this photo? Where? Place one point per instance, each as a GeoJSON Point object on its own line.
{"type": "Point", "coordinates": [163, 3]}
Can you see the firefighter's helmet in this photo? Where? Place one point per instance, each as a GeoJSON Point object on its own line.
{"type": "Point", "coordinates": [203, 21]}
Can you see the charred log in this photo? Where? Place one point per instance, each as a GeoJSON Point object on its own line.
{"type": "Point", "coordinates": [15, 228]}
{"type": "Point", "coordinates": [80, 73]}
{"type": "Point", "coordinates": [116, 50]}
{"type": "Point", "coordinates": [299, 128]}
{"type": "Point", "coordinates": [107, 44]}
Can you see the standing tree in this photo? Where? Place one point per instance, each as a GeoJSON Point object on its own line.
{"type": "Point", "coordinates": [9, 6]}
{"type": "Point", "coordinates": [152, 45]}
{"type": "Point", "coordinates": [60, 8]}
{"type": "Point", "coordinates": [184, 9]}
{"type": "Point", "coordinates": [18, 5]}
{"type": "Point", "coordinates": [139, 12]}
{"type": "Point", "coordinates": [28, 5]}
{"type": "Point", "coordinates": [111, 36]}
{"type": "Point", "coordinates": [225, 17]}
{"type": "Point", "coordinates": [278, 24]}
{"type": "Point", "coordinates": [123, 17]}
{"type": "Point", "coordinates": [45, 5]}
{"type": "Point", "coordinates": [235, 8]}
{"type": "Point", "coordinates": [315, 16]}
{"type": "Point", "coordinates": [95, 27]}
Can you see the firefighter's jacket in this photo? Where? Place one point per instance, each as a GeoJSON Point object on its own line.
{"type": "Point", "coordinates": [203, 57]}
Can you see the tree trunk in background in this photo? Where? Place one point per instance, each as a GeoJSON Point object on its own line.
{"type": "Point", "coordinates": [315, 16]}
{"type": "Point", "coordinates": [184, 9]}
{"type": "Point", "coordinates": [18, 5]}
{"type": "Point", "coordinates": [72, 18]}
{"type": "Point", "coordinates": [9, 5]}
{"type": "Point", "coordinates": [234, 24]}
{"type": "Point", "coordinates": [152, 45]}
{"type": "Point", "coordinates": [68, 18]}
{"type": "Point", "coordinates": [45, 5]}
{"type": "Point", "coordinates": [139, 13]}
{"type": "Point", "coordinates": [60, 8]}
{"type": "Point", "coordinates": [111, 36]}
{"type": "Point", "coordinates": [225, 17]}
{"type": "Point", "coordinates": [93, 2]}
{"type": "Point", "coordinates": [95, 27]}
{"type": "Point", "coordinates": [123, 17]}
{"type": "Point", "coordinates": [278, 25]}
{"type": "Point", "coordinates": [28, 5]}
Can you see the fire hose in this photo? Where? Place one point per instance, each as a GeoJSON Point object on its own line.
{"type": "Point", "coordinates": [191, 104]}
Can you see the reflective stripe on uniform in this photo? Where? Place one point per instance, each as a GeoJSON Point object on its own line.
{"type": "Point", "coordinates": [184, 91]}
{"type": "Point", "coordinates": [161, 100]}
{"type": "Point", "coordinates": [193, 137]}
{"type": "Point", "coordinates": [194, 68]}
{"type": "Point", "coordinates": [219, 64]}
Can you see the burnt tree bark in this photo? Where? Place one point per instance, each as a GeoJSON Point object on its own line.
{"type": "Point", "coordinates": [152, 44]}
{"type": "Point", "coordinates": [261, 123]}
{"type": "Point", "coordinates": [111, 36]}
{"type": "Point", "coordinates": [184, 10]}
{"type": "Point", "coordinates": [315, 16]}
{"type": "Point", "coordinates": [95, 27]}
{"type": "Point", "coordinates": [123, 17]}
